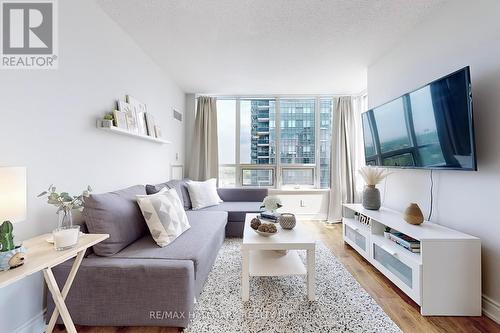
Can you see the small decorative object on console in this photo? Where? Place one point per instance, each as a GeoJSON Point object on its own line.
{"type": "Point", "coordinates": [371, 194]}
{"type": "Point", "coordinates": [11, 256]}
{"type": "Point", "coordinates": [66, 234]}
{"type": "Point", "coordinates": [364, 219]}
{"type": "Point", "coordinates": [287, 221]}
{"type": "Point", "coordinates": [413, 214]}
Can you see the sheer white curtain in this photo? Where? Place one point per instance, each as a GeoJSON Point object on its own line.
{"type": "Point", "coordinates": [346, 155]}
{"type": "Point", "coordinates": [204, 162]}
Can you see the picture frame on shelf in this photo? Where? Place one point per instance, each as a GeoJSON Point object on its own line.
{"type": "Point", "coordinates": [120, 119]}
{"type": "Point", "coordinates": [150, 124]}
{"type": "Point", "coordinates": [130, 115]}
{"type": "Point", "coordinates": [158, 132]}
{"type": "Point", "coordinates": [140, 112]}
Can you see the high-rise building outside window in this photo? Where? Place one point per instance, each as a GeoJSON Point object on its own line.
{"type": "Point", "coordinates": [253, 151]}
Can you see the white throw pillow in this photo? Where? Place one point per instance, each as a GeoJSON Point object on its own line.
{"type": "Point", "coordinates": [203, 194]}
{"type": "Point", "coordinates": [164, 215]}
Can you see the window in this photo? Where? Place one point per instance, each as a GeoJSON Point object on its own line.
{"type": "Point", "coordinates": [298, 176]}
{"type": "Point", "coordinates": [257, 131]}
{"type": "Point", "coordinates": [274, 142]}
{"type": "Point", "coordinates": [297, 140]}
{"type": "Point", "coordinates": [257, 177]}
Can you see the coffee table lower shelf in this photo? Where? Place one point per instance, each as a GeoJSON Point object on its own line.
{"type": "Point", "coordinates": [274, 263]}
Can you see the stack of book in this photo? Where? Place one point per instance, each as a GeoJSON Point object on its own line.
{"type": "Point", "coordinates": [405, 241]}
{"type": "Point", "coordinates": [270, 216]}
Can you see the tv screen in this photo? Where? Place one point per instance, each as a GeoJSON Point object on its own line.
{"type": "Point", "coordinates": [431, 127]}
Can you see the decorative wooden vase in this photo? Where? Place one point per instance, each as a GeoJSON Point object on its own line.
{"type": "Point", "coordinates": [413, 214]}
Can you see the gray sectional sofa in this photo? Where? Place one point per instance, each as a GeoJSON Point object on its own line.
{"type": "Point", "coordinates": [128, 280]}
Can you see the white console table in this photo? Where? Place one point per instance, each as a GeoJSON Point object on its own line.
{"type": "Point", "coordinates": [444, 278]}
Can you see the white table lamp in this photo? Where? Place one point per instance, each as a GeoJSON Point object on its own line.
{"type": "Point", "coordinates": [12, 194]}
{"type": "Point", "coordinates": [12, 209]}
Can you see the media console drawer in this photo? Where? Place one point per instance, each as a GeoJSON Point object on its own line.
{"type": "Point", "coordinates": [358, 236]}
{"type": "Point", "coordinates": [406, 274]}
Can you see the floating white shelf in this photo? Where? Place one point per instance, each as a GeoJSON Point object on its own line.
{"type": "Point", "coordinates": [122, 131]}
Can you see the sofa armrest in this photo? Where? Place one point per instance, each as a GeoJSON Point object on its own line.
{"type": "Point", "coordinates": [129, 292]}
{"type": "Point", "coordinates": [242, 194]}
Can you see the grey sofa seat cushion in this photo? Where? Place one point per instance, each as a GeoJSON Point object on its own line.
{"type": "Point", "coordinates": [180, 187]}
{"type": "Point", "coordinates": [236, 210]}
{"type": "Point", "coordinates": [122, 292]}
{"type": "Point", "coordinates": [117, 214]}
{"type": "Point", "coordinates": [198, 244]}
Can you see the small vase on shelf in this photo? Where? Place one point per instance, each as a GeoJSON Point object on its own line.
{"type": "Point", "coordinates": [413, 214]}
{"type": "Point", "coordinates": [371, 194]}
{"type": "Point", "coordinates": [371, 197]}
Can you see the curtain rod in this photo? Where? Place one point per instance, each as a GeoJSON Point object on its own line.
{"type": "Point", "coordinates": [280, 95]}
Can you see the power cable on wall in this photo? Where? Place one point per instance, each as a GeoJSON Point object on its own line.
{"type": "Point", "coordinates": [431, 197]}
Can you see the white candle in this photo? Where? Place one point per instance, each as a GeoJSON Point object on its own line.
{"type": "Point", "coordinates": [66, 237]}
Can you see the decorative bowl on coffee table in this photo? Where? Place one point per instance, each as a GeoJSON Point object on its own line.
{"type": "Point", "coordinates": [265, 234]}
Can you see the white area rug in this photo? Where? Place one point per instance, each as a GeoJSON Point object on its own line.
{"type": "Point", "coordinates": [279, 304]}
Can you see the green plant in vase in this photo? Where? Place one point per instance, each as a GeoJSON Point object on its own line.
{"type": "Point", "coordinates": [65, 235]}
{"type": "Point", "coordinates": [65, 203]}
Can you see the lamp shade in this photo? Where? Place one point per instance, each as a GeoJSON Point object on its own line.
{"type": "Point", "coordinates": [12, 194]}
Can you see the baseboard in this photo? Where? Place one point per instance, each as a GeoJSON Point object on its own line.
{"type": "Point", "coordinates": [34, 325]}
{"type": "Point", "coordinates": [491, 309]}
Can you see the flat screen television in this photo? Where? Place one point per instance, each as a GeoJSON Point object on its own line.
{"type": "Point", "coordinates": [429, 128]}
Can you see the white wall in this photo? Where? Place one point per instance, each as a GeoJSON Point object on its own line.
{"type": "Point", "coordinates": [463, 33]}
{"type": "Point", "coordinates": [48, 125]}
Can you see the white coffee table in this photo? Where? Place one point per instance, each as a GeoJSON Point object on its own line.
{"type": "Point", "coordinates": [259, 261]}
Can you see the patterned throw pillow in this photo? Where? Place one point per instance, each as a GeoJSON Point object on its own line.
{"type": "Point", "coordinates": [164, 215]}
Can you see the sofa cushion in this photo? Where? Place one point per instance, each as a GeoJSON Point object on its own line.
{"type": "Point", "coordinates": [164, 215]}
{"type": "Point", "coordinates": [117, 214]}
{"type": "Point", "coordinates": [179, 185]}
{"type": "Point", "coordinates": [197, 244]}
{"type": "Point", "coordinates": [236, 210]}
{"type": "Point", "coordinates": [203, 194]}
{"type": "Point", "coordinates": [242, 194]}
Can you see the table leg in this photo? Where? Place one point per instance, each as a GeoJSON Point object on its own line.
{"type": "Point", "coordinates": [311, 274]}
{"type": "Point", "coordinates": [245, 276]}
{"type": "Point", "coordinates": [64, 293]}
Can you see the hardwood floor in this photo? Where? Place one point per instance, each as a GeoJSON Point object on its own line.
{"type": "Point", "coordinates": [402, 310]}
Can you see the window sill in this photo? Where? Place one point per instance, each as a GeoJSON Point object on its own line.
{"type": "Point", "coordinates": [298, 190]}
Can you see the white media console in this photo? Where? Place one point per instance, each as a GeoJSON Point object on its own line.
{"type": "Point", "coordinates": [444, 278]}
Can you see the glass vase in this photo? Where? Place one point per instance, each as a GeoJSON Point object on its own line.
{"type": "Point", "coordinates": [66, 234]}
{"type": "Point", "coordinates": [64, 218]}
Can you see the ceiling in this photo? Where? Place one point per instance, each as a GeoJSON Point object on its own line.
{"type": "Point", "coordinates": [268, 46]}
